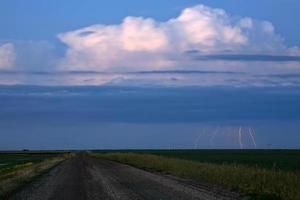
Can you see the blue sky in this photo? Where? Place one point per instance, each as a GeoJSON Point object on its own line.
{"type": "Point", "coordinates": [149, 74]}
{"type": "Point", "coordinates": [42, 20]}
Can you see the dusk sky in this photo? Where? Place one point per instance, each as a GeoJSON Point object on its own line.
{"type": "Point", "coordinates": [149, 74]}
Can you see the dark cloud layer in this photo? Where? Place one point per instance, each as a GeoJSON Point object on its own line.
{"type": "Point", "coordinates": [121, 104]}
{"type": "Point", "coordinates": [38, 117]}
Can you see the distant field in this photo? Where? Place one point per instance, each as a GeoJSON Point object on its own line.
{"type": "Point", "coordinates": [270, 159]}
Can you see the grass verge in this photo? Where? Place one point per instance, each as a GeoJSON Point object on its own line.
{"type": "Point", "coordinates": [11, 161]}
{"type": "Point", "coordinates": [23, 173]}
{"type": "Point", "coordinates": [259, 183]}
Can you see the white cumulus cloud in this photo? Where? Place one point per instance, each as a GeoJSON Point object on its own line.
{"type": "Point", "coordinates": [139, 43]}
{"type": "Point", "coordinates": [7, 56]}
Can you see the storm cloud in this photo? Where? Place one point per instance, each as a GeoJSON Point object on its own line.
{"type": "Point", "coordinates": [146, 43]}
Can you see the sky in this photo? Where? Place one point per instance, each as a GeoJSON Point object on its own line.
{"type": "Point", "coordinates": [255, 39]}
{"type": "Point", "coordinates": [206, 73]}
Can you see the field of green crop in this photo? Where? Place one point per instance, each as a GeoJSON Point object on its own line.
{"type": "Point", "coordinates": [262, 174]}
{"type": "Point", "coordinates": [269, 159]}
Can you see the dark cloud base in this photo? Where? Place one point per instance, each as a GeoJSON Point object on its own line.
{"type": "Point", "coordinates": [149, 105]}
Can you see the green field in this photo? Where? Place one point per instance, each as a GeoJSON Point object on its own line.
{"type": "Point", "coordinates": [262, 174]}
{"type": "Point", "coordinates": [269, 159]}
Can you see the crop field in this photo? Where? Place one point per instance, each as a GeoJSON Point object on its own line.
{"type": "Point", "coordinates": [270, 159]}
{"type": "Point", "coordinates": [262, 174]}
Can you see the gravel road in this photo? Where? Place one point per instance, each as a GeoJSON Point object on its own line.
{"type": "Point", "coordinates": [83, 177]}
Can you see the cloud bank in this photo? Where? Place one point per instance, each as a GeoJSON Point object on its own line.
{"type": "Point", "coordinates": [7, 55]}
{"type": "Point", "coordinates": [145, 43]}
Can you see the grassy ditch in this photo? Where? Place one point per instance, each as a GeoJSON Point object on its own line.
{"type": "Point", "coordinates": [19, 174]}
{"type": "Point", "coordinates": [259, 183]}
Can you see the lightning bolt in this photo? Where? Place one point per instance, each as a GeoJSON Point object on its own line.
{"type": "Point", "coordinates": [197, 139]}
{"type": "Point", "coordinates": [211, 141]}
{"type": "Point", "coordinates": [251, 131]}
{"type": "Point", "coordinates": [240, 138]}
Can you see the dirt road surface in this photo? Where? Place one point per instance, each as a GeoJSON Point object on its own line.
{"type": "Point", "coordinates": [84, 177]}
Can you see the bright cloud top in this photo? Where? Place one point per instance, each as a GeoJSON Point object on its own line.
{"type": "Point", "coordinates": [145, 43]}
{"type": "Point", "coordinates": [143, 51]}
{"type": "Point", "coordinates": [7, 56]}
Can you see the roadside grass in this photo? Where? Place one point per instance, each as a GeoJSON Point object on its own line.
{"type": "Point", "coordinates": [258, 182]}
{"type": "Point", "coordinates": [10, 161]}
{"type": "Point", "coordinates": [17, 175]}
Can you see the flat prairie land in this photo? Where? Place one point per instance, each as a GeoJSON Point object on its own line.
{"type": "Point", "coordinates": [153, 174]}
{"type": "Point", "coordinates": [261, 174]}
